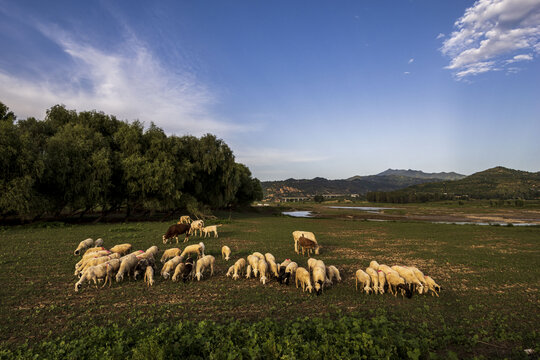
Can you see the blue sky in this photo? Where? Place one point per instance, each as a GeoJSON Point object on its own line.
{"type": "Point", "coordinates": [297, 89]}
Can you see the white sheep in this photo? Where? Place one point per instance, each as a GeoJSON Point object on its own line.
{"type": "Point", "coordinates": [98, 242]}
{"type": "Point", "coordinates": [319, 278]}
{"type": "Point", "coordinates": [231, 271]}
{"type": "Point", "coordinates": [259, 255]}
{"type": "Point", "coordinates": [196, 225]}
{"type": "Point", "coordinates": [432, 286]}
{"type": "Point", "coordinates": [210, 229]}
{"type": "Point", "coordinates": [382, 281]}
{"type": "Point", "coordinates": [302, 276]}
{"type": "Point", "coordinates": [85, 244]}
{"type": "Point", "coordinates": [170, 253]}
{"type": "Point", "coordinates": [95, 273]}
{"type": "Point", "coordinates": [121, 249]}
{"type": "Point", "coordinates": [202, 264]}
{"type": "Point", "coordinates": [194, 249]}
{"type": "Point", "coordinates": [111, 268]}
{"type": "Point", "coordinates": [254, 262]}
{"type": "Point", "coordinates": [239, 266]}
{"type": "Point", "coordinates": [290, 270]}
{"type": "Point", "coordinates": [409, 277]}
{"type": "Point", "coordinates": [364, 279]}
{"type": "Point", "coordinates": [385, 269]}
{"type": "Point", "coordinates": [149, 276]}
{"type": "Point", "coordinates": [269, 257]}
{"type": "Point", "coordinates": [272, 267]}
{"type": "Point", "coordinates": [184, 219]}
{"type": "Point", "coordinates": [126, 266]}
{"type": "Point", "coordinates": [170, 266]}
{"type": "Point", "coordinates": [248, 271]}
{"type": "Point", "coordinates": [374, 265]}
{"type": "Point", "coordinates": [308, 235]}
{"type": "Point", "coordinates": [284, 264]}
{"type": "Point", "coordinates": [311, 263]}
{"type": "Point", "coordinates": [152, 250]}
{"type": "Point", "coordinates": [396, 282]}
{"type": "Point", "coordinates": [374, 275]}
{"type": "Point", "coordinates": [226, 253]}
{"type": "Point", "coordinates": [332, 273]}
{"type": "Point", "coordinates": [95, 261]}
{"type": "Point", "coordinates": [85, 259]}
{"type": "Point", "coordinates": [263, 269]}
{"type": "Point", "coordinates": [420, 276]}
{"type": "Point", "coordinates": [92, 250]}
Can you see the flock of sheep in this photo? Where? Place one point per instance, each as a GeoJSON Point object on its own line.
{"type": "Point", "coordinates": [99, 264]}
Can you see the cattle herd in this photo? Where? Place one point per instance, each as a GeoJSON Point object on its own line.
{"type": "Point", "coordinates": [99, 265]}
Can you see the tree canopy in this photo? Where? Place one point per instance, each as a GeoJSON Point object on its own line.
{"type": "Point", "coordinates": [88, 161]}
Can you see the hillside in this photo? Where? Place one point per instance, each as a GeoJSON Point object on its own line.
{"type": "Point", "coordinates": [495, 183]}
{"type": "Point", "coordinates": [357, 185]}
{"type": "Point", "coordinates": [422, 175]}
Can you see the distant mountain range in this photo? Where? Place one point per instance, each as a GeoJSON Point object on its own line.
{"type": "Point", "coordinates": [386, 181]}
{"type": "Point", "coordinates": [495, 183]}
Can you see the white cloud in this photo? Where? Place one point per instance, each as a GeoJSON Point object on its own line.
{"type": "Point", "coordinates": [407, 73]}
{"type": "Point", "coordinates": [440, 36]}
{"type": "Point", "coordinates": [411, 60]}
{"type": "Point", "coordinates": [271, 157]}
{"type": "Point", "coordinates": [130, 84]}
{"type": "Point", "coordinates": [522, 57]}
{"type": "Point", "coordinates": [490, 33]}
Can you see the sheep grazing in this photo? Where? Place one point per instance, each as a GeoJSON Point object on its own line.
{"type": "Point", "coordinates": [185, 219]}
{"type": "Point", "coordinates": [410, 278]}
{"type": "Point", "coordinates": [254, 262]}
{"type": "Point", "coordinates": [311, 263]}
{"type": "Point", "coordinates": [194, 249]}
{"type": "Point", "coordinates": [319, 278]}
{"type": "Point", "coordinates": [169, 254]}
{"type": "Point", "coordinates": [382, 281]}
{"type": "Point", "coordinates": [374, 265]}
{"type": "Point", "coordinates": [203, 263]}
{"type": "Point", "coordinates": [112, 267]}
{"type": "Point", "coordinates": [83, 245]}
{"type": "Point", "coordinates": [420, 276]}
{"type": "Point", "coordinates": [259, 255]}
{"type": "Point", "coordinates": [272, 266]}
{"type": "Point", "coordinates": [396, 282]}
{"type": "Point", "coordinates": [121, 249]}
{"type": "Point", "coordinates": [85, 259]}
{"type": "Point", "coordinates": [98, 242]}
{"type": "Point", "coordinates": [91, 251]}
{"type": "Point", "coordinates": [94, 262]}
{"type": "Point", "coordinates": [269, 257]}
{"type": "Point", "coordinates": [141, 266]}
{"type": "Point", "coordinates": [210, 229]}
{"type": "Point", "coordinates": [307, 234]}
{"type": "Point", "coordinates": [332, 273]}
{"type": "Point", "coordinates": [248, 271]}
{"type": "Point", "coordinates": [283, 265]}
{"type": "Point", "coordinates": [188, 269]}
{"type": "Point", "coordinates": [432, 286]}
{"type": "Point", "coordinates": [302, 276]}
{"type": "Point", "coordinates": [170, 266]}
{"type": "Point", "coordinates": [239, 266]}
{"type": "Point", "coordinates": [290, 270]}
{"type": "Point", "coordinates": [127, 265]}
{"type": "Point", "coordinates": [306, 244]}
{"type": "Point", "coordinates": [374, 275]}
{"type": "Point", "coordinates": [178, 271]}
{"type": "Point", "coordinates": [149, 276]}
{"type": "Point", "coordinates": [385, 269]}
{"type": "Point", "coordinates": [364, 279]}
{"type": "Point", "coordinates": [231, 270]}
{"type": "Point", "coordinates": [152, 250]}
{"type": "Point", "coordinates": [263, 269]}
{"type": "Point", "coordinates": [95, 273]}
{"type": "Point", "coordinates": [196, 225]}
{"type": "Point", "coordinates": [226, 253]}
{"type": "Point", "coordinates": [177, 229]}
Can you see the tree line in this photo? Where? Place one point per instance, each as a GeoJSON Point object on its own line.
{"type": "Point", "coordinates": [78, 162]}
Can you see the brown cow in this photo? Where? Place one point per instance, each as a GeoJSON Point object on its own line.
{"type": "Point", "coordinates": [175, 230]}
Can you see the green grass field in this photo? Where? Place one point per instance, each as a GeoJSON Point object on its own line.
{"type": "Point", "coordinates": [489, 306]}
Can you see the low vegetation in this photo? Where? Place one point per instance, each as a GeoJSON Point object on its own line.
{"type": "Point", "coordinates": [488, 307]}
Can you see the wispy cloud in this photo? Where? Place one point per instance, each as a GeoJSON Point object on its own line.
{"type": "Point", "coordinates": [440, 36]}
{"type": "Point", "coordinates": [522, 57]}
{"type": "Point", "coordinates": [411, 60]}
{"type": "Point", "coordinates": [490, 33]}
{"type": "Point", "coordinates": [130, 83]}
{"type": "Point", "coordinates": [406, 73]}
{"type": "Point", "coordinates": [271, 157]}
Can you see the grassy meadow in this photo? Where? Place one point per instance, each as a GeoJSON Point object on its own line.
{"type": "Point", "coordinates": [489, 306]}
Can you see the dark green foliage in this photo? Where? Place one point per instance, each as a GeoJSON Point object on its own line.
{"type": "Point", "coordinates": [77, 162]}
